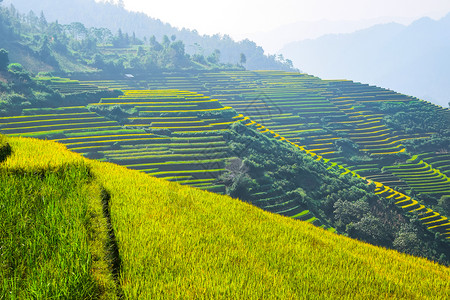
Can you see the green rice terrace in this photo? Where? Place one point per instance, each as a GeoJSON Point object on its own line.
{"type": "Point", "coordinates": [174, 126]}
{"type": "Point", "coordinates": [313, 113]}
{"type": "Point", "coordinates": [171, 134]}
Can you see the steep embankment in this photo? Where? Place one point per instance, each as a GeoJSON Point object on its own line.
{"type": "Point", "coordinates": [174, 241]}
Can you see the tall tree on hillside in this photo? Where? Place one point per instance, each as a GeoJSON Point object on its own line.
{"type": "Point", "coordinates": [166, 41]}
{"type": "Point", "coordinates": [42, 21]}
{"type": "Point", "coordinates": [4, 59]}
{"type": "Point", "coordinates": [78, 30]}
{"type": "Point", "coordinates": [32, 19]}
{"type": "Point", "coordinates": [243, 59]}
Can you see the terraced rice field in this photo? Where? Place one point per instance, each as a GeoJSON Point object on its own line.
{"type": "Point", "coordinates": [68, 86]}
{"type": "Point", "coordinates": [192, 150]}
{"type": "Point", "coordinates": [422, 177]}
{"type": "Point", "coordinates": [439, 160]}
{"type": "Point", "coordinates": [314, 114]}
{"type": "Point", "coordinates": [429, 218]}
{"type": "Point", "coordinates": [170, 127]}
{"type": "Point", "coordinates": [174, 135]}
{"type": "Point", "coordinates": [52, 121]}
{"type": "Point", "coordinates": [187, 158]}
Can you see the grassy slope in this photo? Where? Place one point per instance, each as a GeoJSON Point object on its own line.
{"type": "Point", "coordinates": [23, 54]}
{"type": "Point", "coordinates": [182, 242]}
{"type": "Point", "coordinates": [26, 57]}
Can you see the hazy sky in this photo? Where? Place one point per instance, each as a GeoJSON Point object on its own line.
{"type": "Point", "coordinates": [241, 17]}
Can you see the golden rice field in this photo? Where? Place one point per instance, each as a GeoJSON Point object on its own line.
{"type": "Point", "coordinates": [173, 241]}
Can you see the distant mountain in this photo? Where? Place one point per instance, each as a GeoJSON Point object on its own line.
{"type": "Point", "coordinates": [115, 17]}
{"type": "Point", "coordinates": [272, 41]}
{"type": "Point", "coordinates": [411, 59]}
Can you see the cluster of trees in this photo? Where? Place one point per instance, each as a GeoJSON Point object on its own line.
{"type": "Point", "coordinates": [414, 117]}
{"type": "Point", "coordinates": [19, 89]}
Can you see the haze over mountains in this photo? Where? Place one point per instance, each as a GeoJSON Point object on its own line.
{"type": "Point", "coordinates": [274, 40]}
{"type": "Point", "coordinates": [410, 59]}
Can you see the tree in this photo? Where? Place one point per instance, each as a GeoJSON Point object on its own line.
{"type": "Point", "coordinates": [42, 21]}
{"type": "Point", "coordinates": [444, 202]}
{"type": "Point", "coordinates": [243, 59]}
{"type": "Point", "coordinates": [166, 41]}
{"type": "Point", "coordinates": [214, 57]}
{"type": "Point", "coordinates": [154, 45]}
{"type": "Point", "coordinates": [289, 63]}
{"type": "Point", "coordinates": [121, 40]}
{"type": "Point", "coordinates": [78, 30]}
{"type": "Point", "coordinates": [370, 229]}
{"type": "Point", "coordinates": [140, 51]}
{"type": "Point", "coordinates": [347, 212]}
{"type": "Point", "coordinates": [408, 241]}
{"type": "Point", "coordinates": [98, 61]}
{"type": "Point", "coordinates": [4, 59]}
{"type": "Point", "coordinates": [346, 146]}
{"type": "Point", "coordinates": [175, 54]}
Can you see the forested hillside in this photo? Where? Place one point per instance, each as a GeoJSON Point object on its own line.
{"type": "Point", "coordinates": [42, 46]}
{"type": "Point", "coordinates": [99, 14]}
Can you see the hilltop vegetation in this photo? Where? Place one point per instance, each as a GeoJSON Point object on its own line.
{"type": "Point", "coordinates": [85, 24]}
{"type": "Point", "coordinates": [164, 235]}
{"type": "Point", "coordinates": [43, 46]}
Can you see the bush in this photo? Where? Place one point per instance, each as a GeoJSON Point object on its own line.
{"type": "Point", "coordinates": [5, 148]}
{"type": "Point", "coordinates": [4, 60]}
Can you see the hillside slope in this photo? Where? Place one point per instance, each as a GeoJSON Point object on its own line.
{"type": "Point", "coordinates": [192, 139]}
{"type": "Point", "coordinates": [99, 14]}
{"type": "Point", "coordinates": [42, 46]}
{"type": "Point", "coordinates": [410, 59]}
{"type": "Point", "coordinates": [174, 241]}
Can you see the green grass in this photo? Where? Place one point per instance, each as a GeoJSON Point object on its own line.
{"type": "Point", "coordinates": [47, 227]}
{"type": "Point", "coordinates": [305, 212]}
